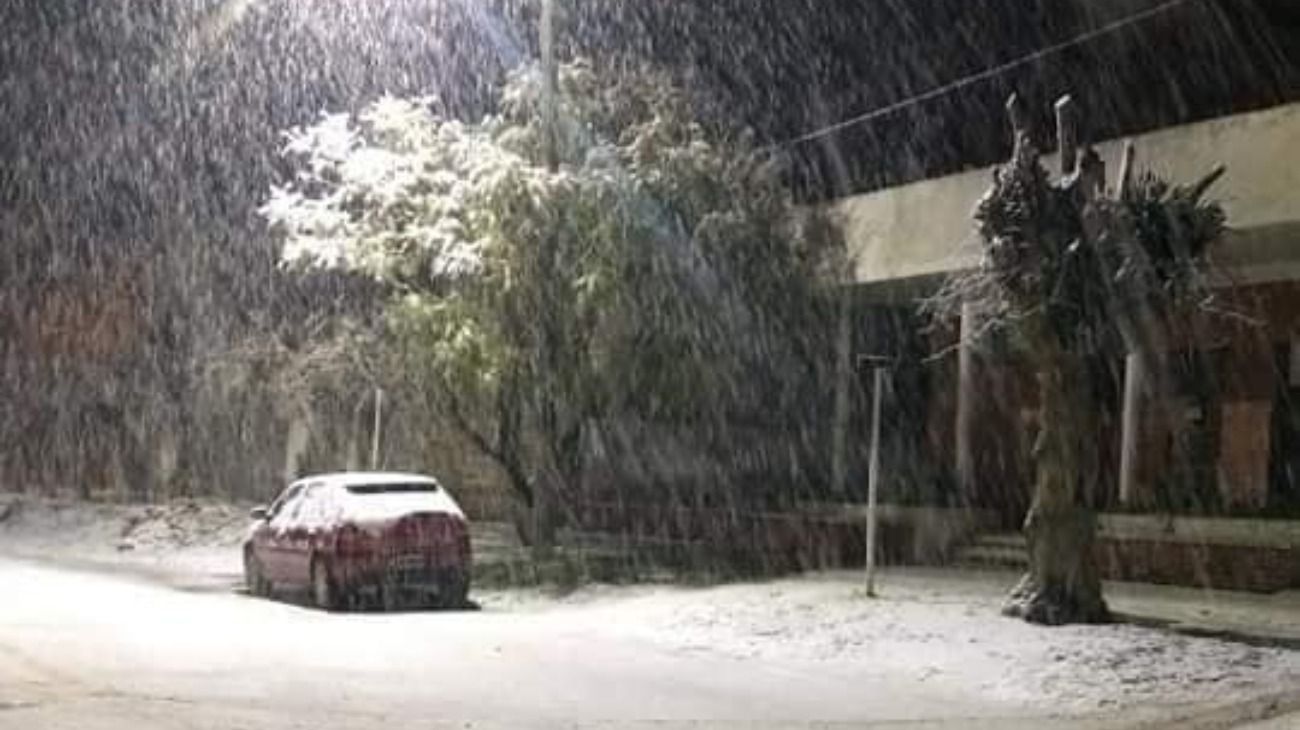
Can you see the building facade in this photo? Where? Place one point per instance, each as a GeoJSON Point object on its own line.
{"type": "Point", "coordinates": [1224, 438]}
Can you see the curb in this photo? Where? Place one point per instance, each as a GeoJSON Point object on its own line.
{"type": "Point", "coordinates": [1207, 631]}
{"type": "Point", "coordinates": [1236, 714]}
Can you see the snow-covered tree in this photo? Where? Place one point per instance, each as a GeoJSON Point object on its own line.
{"type": "Point", "coordinates": [660, 272]}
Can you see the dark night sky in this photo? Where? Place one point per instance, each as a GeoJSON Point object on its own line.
{"type": "Point", "coordinates": [794, 65]}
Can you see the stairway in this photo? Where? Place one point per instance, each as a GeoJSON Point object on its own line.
{"type": "Point", "coordinates": [995, 551]}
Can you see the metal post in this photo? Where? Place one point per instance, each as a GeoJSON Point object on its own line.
{"type": "Point", "coordinates": [965, 421]}
{"type": "Point", "coordinates": [873, 475]}
{"type": "Point", "coordinates": [374, 440]}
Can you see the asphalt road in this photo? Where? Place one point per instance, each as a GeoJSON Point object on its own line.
{"type": "Point", "coordinates": [87, 651]}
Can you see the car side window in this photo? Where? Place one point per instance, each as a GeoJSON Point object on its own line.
{"type": "Point", "coordinates": [302, 509]}
{"type": "Point", "coordinates": [308, 507]}
{"type": "Point", "coordinates": [324, 507]}
{"type": "Point", "coordinates": [288, 511]}
{"type": "Point", "coordinates": [283, 500]}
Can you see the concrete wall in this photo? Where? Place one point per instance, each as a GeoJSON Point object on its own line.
{"type": "Point", "coordinates": [925, 228]}
{"type": "Point", "coordinates": [1279, 534]}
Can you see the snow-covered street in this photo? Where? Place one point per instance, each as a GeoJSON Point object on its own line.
{"type": "Point", "coordinates": [93, 629]}
{"type": "Point", "coordinates": [90, 650]}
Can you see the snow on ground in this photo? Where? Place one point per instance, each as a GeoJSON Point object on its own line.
{"type": "Point", "coordinates": [926, 626]}
{"type": "Point", "coordinates": [185, 538]}
{"type": "Point", "coordinates": [188, 542]}
{"type": "Point", "coordinates": [944, 627]}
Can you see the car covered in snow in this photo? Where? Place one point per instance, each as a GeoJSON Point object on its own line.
{"type": "Point", "coordinates": [355, 538]}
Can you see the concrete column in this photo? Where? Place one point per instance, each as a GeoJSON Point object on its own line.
{"type": "Point", "coordinates": [1135, 383]}
{"type": "Point", "coordinates": [966, 395]}
{"type": "Point", "coordinates": [843, 384]}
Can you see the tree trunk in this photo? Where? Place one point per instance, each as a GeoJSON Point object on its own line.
{"type": "Point", "coordinates": [542, 519]}
{"type": "Point", "coordinates": [561, 468]}
{"type": "Point", "coordinates": [1062, 585]}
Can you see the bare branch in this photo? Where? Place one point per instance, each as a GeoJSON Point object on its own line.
{"type": "Point", "coordinates": [1067, 133]}
{"type": "Point", "coordinates": [1126, 170]}
{"type": "Point", "coordinates": [1204, 183]}
{"type": "Point", "coordinates": [1017, 115]}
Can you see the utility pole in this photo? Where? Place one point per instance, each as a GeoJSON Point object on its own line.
{"type": "Point", "coordinates": [544, 491]}
{"type": "Point", "coordinates": [550, 83]}
{"type": "Point", "coordinates": [378, 425]}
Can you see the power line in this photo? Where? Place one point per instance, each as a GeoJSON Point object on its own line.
{"type": "Point", "coordinates": [984, 75]}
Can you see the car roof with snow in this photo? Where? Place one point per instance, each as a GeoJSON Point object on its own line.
{"type": "Point", "coordinates": [360, 479]}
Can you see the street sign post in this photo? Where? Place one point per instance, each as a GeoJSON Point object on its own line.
{"type": "Point", "coordinates": [879, 367]}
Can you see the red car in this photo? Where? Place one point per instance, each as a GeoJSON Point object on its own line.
{"type": "Point", "coordinates": [396, 539]}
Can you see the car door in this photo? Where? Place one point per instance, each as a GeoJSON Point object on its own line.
{"type": "Point", "coordinates": [295, 537]}
{"type": "Point", "coordinates": [278, 562]}
{"type": "Point", "coordinates": [262, 539]}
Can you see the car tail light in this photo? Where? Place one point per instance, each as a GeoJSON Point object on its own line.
{"type": "Point", "coordinates": [434, 534]}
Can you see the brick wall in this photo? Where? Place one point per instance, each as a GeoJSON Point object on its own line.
{"type": "Point", "coordinates": [1244, 454]}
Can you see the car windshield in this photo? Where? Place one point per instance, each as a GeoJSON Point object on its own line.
{"type": "Point", "coordinates": [402, 488]}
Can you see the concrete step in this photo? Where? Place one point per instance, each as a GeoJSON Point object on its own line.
{"type": "Point", "coordinates": [1013, 540]}
{"type": "Point", "coordinates": [992, 556]}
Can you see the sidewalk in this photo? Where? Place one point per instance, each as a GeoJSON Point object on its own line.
{"type": "Point", "coordinates": [1286, 722]}
{"type": "Point", "coordinates": [1253, 618]}
{"type": "Point", "coordinates": [1269, 619]}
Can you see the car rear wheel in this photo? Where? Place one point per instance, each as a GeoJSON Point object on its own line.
{"type": "Point", "coordinates": [454, 591]}
{"type": "Point", "coordinates": [254, 578]}
{"type": "Point", "coordinates": [390, 597]}
{"type": "Point", "coordinates": [323, 591]}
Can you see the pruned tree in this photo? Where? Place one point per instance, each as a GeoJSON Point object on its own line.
{"type": "Point", "coordinates": [1077, 274]}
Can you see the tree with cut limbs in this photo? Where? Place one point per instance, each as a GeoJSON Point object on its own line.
{"type": "Point", "coordinates": [1077, 275]}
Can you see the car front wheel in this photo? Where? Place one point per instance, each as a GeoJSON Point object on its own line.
{"type": "Point", "coordinates": [254, 578]}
